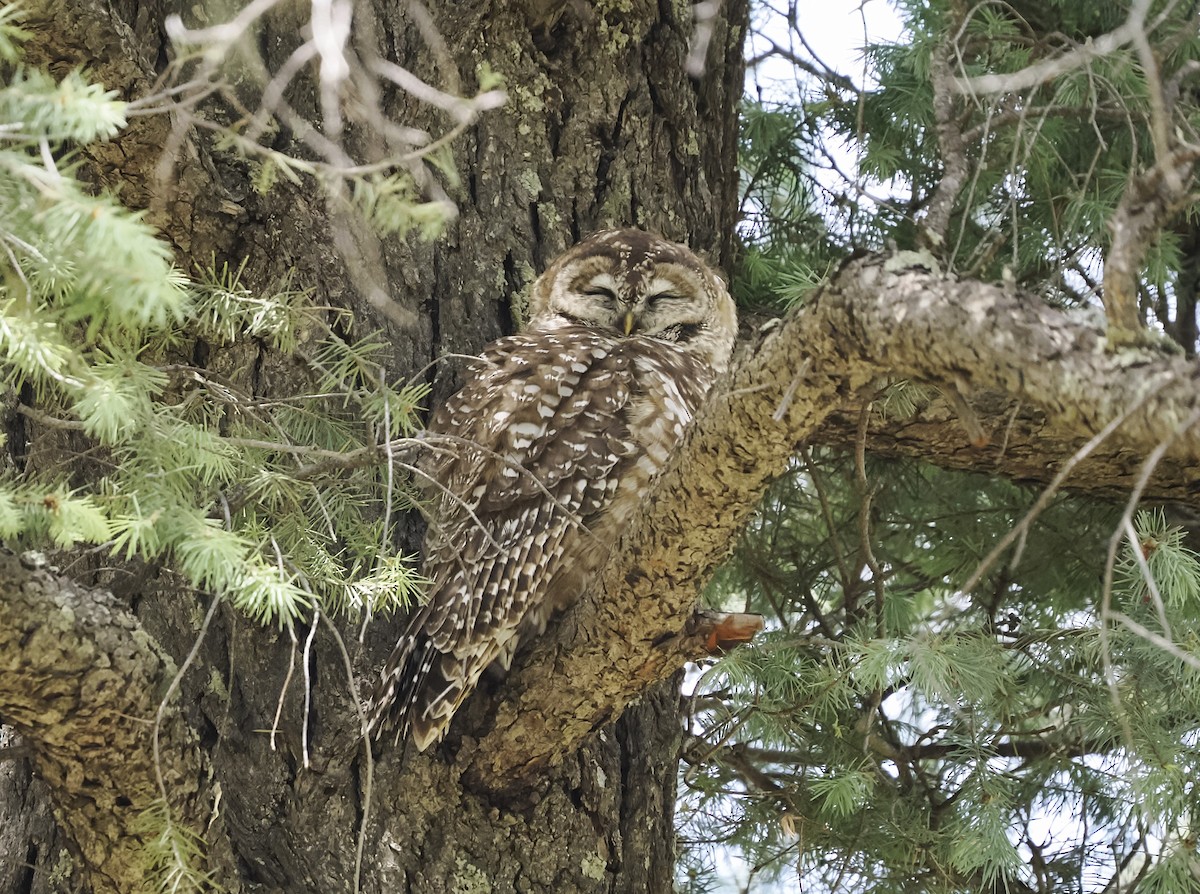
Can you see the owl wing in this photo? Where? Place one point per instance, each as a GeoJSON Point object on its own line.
{"type": "Point", "coordinates": [531, 443]}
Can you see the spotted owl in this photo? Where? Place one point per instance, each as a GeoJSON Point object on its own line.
{"type": "Point", "coordinates": [544, 455]}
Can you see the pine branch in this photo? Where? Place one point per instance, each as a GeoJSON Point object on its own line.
{"type": "Point", "coordinates": [1030, 747]}
{"type": "Point", "coordinates": [1047, 70]}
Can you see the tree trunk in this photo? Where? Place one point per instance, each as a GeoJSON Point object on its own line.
{"type": "Point", "coordinates": [602, 127]}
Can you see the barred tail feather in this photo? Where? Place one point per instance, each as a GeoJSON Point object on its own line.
{"type": "Point", "coordinates": [421, 688]}
{"type": "Point", "coordinates": [399, 687]}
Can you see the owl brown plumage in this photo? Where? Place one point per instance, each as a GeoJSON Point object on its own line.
{"type": "Point", "coordinates": [545, 453]}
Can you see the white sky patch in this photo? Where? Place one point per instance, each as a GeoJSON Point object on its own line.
{"type": "Point", "coordinates": [794, 49]}
{"type": "Point", "coordinates": [827, 34]}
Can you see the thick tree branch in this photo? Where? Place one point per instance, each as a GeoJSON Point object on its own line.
{"type": "Point", "coordinates": [870, 321]}
{"type": "Point", "coordinates": [1019, 439]}
{"type": "Point", "coordinates": [81, 681]}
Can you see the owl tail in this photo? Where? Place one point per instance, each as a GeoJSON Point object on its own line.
{"type": "Point", "coordinates": [391, 707]}
{"type": "Point", "coordinates": [419, 691]}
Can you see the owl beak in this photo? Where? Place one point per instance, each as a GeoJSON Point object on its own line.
{"type": "Point", "coordinates": [629, 321]}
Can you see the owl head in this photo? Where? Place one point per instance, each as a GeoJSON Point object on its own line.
{"type": "Point", "coordinates": [633, 284]}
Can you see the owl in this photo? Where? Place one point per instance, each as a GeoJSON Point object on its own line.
{"type": "Point", "coordinates": [544, 455]}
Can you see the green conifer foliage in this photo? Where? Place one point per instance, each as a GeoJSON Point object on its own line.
{"type": "Point", "coordinates": [914, 721]}
{"type": "Point", "coordinates": [277, 504]}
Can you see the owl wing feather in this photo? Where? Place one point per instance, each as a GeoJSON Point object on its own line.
{"type": "Point", "coordinates": [538, 431]}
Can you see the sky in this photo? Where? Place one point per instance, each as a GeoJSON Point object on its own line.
{"type": "Point", "coordinates": [834, 31]}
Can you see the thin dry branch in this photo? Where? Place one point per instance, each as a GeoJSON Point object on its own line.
{"type": "Point", "coordinates": [1049, 69]}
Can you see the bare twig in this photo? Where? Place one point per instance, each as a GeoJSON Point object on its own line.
{"type": "Point", "coordinates": [369, 758]}
{"type": "Point", "coordinates": [1048, 70]}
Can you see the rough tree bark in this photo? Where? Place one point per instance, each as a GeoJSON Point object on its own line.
{"type": "Point", "coordinates": [603, 127]}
